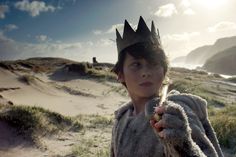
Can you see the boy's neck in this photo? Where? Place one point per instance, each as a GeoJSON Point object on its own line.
{"type": "Point", "coordinates": [139, 104]}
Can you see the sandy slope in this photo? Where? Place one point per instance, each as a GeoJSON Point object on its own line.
{"type": "Point", "coordinates": [72, 97]}
{"type": "Point", "coordinates": [14, 145]}
{"type": "Point", "coordinates": [79, 96]}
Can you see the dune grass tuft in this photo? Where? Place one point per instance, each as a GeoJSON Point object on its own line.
{"type": "Point", "coordinates": [33, 122]}
{"type": "Point", "coordinates": [87, 69]}
{"type": "Point", "coordinates": [27, 79]}
{"type": "Point", "coordinates": [224, 123]}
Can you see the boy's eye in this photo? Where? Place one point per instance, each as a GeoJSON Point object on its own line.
{"type": "Point", "coordinates": [135, 64]}
{"type": "Point", "coordinates": [156, 64]}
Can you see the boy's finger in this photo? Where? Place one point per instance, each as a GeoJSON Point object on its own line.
{"type": "Point", "coordinates": [152, 122]}
{"type": "Point", "coordinates": [159, 126]}
{"type": "Point", "coordinates": [160, 110]}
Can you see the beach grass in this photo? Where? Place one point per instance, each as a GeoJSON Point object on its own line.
{"type": "Point", "coordinates": [34, 122]}
{"type": "Point", "coordinates": [224, 124]}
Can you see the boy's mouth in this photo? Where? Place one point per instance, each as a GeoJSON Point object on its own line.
{"type": "Point", "coordinates": [146, 84]}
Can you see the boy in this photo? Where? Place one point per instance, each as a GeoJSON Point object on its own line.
{"type": "Point", "coordinates": [183, 130]}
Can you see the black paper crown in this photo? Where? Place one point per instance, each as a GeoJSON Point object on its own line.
{"type": "Point", "coordinates": [141, 35]}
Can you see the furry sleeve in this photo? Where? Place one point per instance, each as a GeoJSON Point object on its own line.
{"type": "Point", "coordinates": [118, 114]}
{"type": "Point", "coordinates": [202, 131]}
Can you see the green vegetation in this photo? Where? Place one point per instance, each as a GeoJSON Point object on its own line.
{"type": "Point", "coordinates": [100, 121]}
{"type": "Point", "coordinates": [222, 62]}
{"type": "Point", "coordinates": [87, 149]}
{"type": "Point", "coordinates": [95, 137]}
{"type": "Point", "coordinates": [224, 123]}
{"type": "Point", "coordinates": [83, 150]}
{"type": "Point", "coordinates": [74, 92]}
{"type": "Point", "coordinates": [86, 69]}
{"type": "Point", "coordinates": [231, 79]}
{"type": "Point", "coordinates": [33, 122]}
{"type": "Point", "coordinates": [28, 79]}
{"type": "Point", "coordinates": [103, 152]}
{"type": "Point", "coordinates": [95, 121]}
{"type": "Point", "coordinates": [118, 89]}
{"type": "Point", "coordinates": [198, 88]}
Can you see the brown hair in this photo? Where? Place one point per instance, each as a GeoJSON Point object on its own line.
{"type": "Point", "coordinates": [150, 52]}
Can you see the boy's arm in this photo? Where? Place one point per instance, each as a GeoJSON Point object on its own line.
{"type": "Point", "coordinates": [196, 110]}
{"type": "Point", "coordinates": [112, 154]}
{"type": "Point", "coordinates": [175, 133]}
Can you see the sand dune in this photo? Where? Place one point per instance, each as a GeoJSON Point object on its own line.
{"type": "Point", "coordinates": [68, 94]}
{"type": "Point", "coordinates": [77, 96]}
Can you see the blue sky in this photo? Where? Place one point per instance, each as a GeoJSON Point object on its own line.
{"type": "Point", "coordinates": [82, 29]}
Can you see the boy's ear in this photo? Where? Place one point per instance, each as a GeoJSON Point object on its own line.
{"type": "Point", "coordinates": [120, 77]}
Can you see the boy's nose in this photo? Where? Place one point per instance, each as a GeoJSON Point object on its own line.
{"type": "Point", "coordinates": [146, 72]}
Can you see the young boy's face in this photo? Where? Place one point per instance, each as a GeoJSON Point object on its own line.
{"type": "Point", "coordinates": [142, 78]}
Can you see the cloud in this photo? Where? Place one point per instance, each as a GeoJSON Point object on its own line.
{"type": "Point", "coordinates": [42, 38]}
{"type": "Point", "coordinates": [110, 30]}
{"type": "Point", "coordinates": [180, 44]}
{"type": "Point", "coordinates": [97, 32]}
{"type": "Point", "coordinates": [34, 8]}
{"type": "Point", "coordinates": [105, 42]}
{"type": "Point", "coordinates": [4, 39]}
{"type": "Point", "coordinates": [11, 50]}
{"type": "Point", "coordinates": [103, 49]}
{"type": "Point", "coordinates": [166, 10]}
{"type": "Point", "coordinates": [189, 11]}
{"type": "Point", "coordinates": [3, 10]}
{"type": "Point", "coordinates": [113, 28]}
{"type": "Point", "coordinates": [222, 26]}
{"type": "Point", "coordinates": [10, 27]}
{"type": "Point", "coordinates": [185, 3]}
{"type": "Point", "coordinates": [185, 6]}
{"type": "Point", "coordinates": [7, 47]}
{"type": "Point", "coordinates": [180, 37]}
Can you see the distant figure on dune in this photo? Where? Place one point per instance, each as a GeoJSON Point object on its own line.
{"type": "Point", "coordinates": [95, 60]}
{"type": "Point", "coordinates": [178, 126]}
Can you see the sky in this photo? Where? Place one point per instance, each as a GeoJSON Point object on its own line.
{"type": "Point", "coordinates": [82, 29]}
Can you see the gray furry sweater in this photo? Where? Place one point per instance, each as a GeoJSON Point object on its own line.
{"type": "Point", "coordinates": [132, 136]}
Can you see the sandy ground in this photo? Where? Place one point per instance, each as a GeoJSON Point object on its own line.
{"type": "Point", "coordinates": [78, 96]}
{"type": "Point", "coordinates": [71, 98]}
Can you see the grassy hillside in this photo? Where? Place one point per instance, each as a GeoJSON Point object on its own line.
{"type": "Point", "coordinates": [224, 123]}
{"type": "Point", "coordinates": [223, 62]}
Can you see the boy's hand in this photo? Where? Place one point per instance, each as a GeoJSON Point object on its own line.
{"type": "Point", "coordinates": [173, 125]}
{"type": "Point", "coordinates": [175, 133]}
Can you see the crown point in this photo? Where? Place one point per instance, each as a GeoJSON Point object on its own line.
{"type": "Point", "coordinates": [153, 29]}
{"type": "Point", "coordinates": [141, 18]}
{"type": "Point", "coordinates": [142, 27]}
{"type": "Point", "coordinates": [158, 33]}
{"type": "Point", "coordinates": [128, 30]}
{"type": "Point", "coordinates": [118, 36]}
